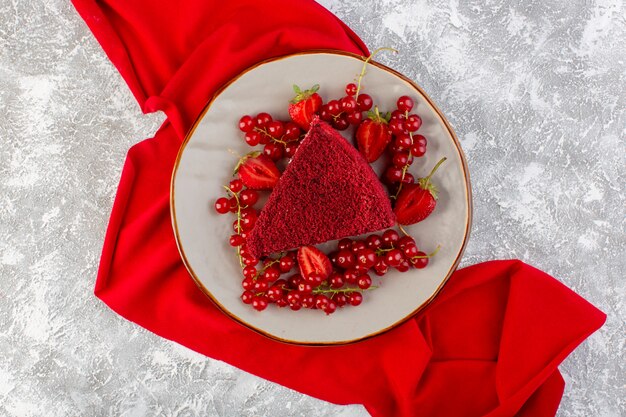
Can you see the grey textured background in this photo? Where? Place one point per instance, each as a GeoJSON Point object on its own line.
{"type": "Point", "coordinates": [536, 90]}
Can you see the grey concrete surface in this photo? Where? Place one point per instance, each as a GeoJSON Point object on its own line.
{"type": "Point", "coordinates": [536, 90]}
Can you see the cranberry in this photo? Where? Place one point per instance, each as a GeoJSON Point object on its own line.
{"type": "Point", "coordinates": [344, 243]}
{"type": "Point", "coordinates": [345, 259]}
{"type": "Point", "coordinates": [272, 273]}
{"type": "Point", "coordinates": [274, 150]}
{"type": "Point", "coordinates": [341, 299]}
{"type": "Point", "coordinates": [247, 223]}
{"type": "Point", "coordinates": [320, 301]}
{"type": "Point", "coordinates": [400, 159]}
{"type": "Point", "coordinates": [419, 140]}
{"type": "Point", "coordinates": [315, 279]}
{"type": "Point", "coordinates": [365, 102]}
{"type": "Point", "coordinates": [374, 242]}
{"type": "Point", "coordinates": [397, 114]}
{"type": "Point", "coordinates": [274, 293]}
{"type": "Point", "coordinates": [249, 272]}
{"type": "Point", "coordinates": [394, 257]}
{"type": "Point", "coordinates": [418, 150]}
{"type": "Point", "coordinates": [291, 148]}
{"type": "Point", "coordinates": [364, 282]}
{"type": "Point", "coordinates": [393, 174]}
{"type": "Point", "coordinates": [282, 284]}
{"type": "Point", "coordinates": [330, 307]}
{"type": "Point", "coordinates": [236, 240]}
{"type": "Point", "coordinates": [307, 301]}
{"type": "Point", "coordinates": [413, 123]}
{"type": "Point", "coordinates": [246, 123]}
{"type": "Point", "coordinates": [390, 237]}
{"type": "Point", "coordinates": [261, 285]}
{"type": "Point", "coordinates": [341, 123]}
{"type": "Point", "coordinates": [325, 113]}
{"type": "Point", "coordinates": [355, 118]}
{"type": "Point", "coordinates": [276, 129]}
{"type": "Point", "coordinates": [351, 89]}
{"type": "Point", "coordinates": [358, 245]}
{"type": "Point", "coordinates": [410, 251]}
{"type": "Point", "coordinates": [366, 258]}
{"type": "Point", "coordinates": [252, 138]}
{"type": "Point", "coordinates": [420, 260]}
{"type": "Point", "coordinates": [397, 126]}
{"type": "Point", "coordinates": [336, 280]}
{"type": "Point", "coordinates": [381, 267]}
{"type": "Point", "coordinates": [351, 276]}
{"type": "Point", "coordinates": [234, 204]}
{"type": "Point", "coordinates": [294, 280]}
{"type": "Point", "coordinates": [294, 298]}
{"type": "Point", "coordinates": [355, 298]}
{"type": "Point", "coordinates": [282, 302]}
{"type": "Point", "coordinates": [334, 108]}
{"type": "Point", "coordinates": [222, 205]}
{"type": "Point", "coordinates": [305, 287]}
{"type": "Point", "coordinates": [259, 303]}
{"type": "Point", "coordinates": [235, 185]}
{"type": "Point", "coordinates": [404, 266]}
{"type": "Point", "coordinates": [405, 241]}
{"type": "Point", "coordinates": [405, 103]}
{"type": "Point", "coordinates": [286, 263]}
{"type": "Point", "coordinates": [292, 131]}
{"type": "Point", "coordinates": [408, 178]}
{"type": "Point", "coordinates": [248, 197]}
{"type": "Point", "coordinates": [250, 260]}
{"type": "Point", "coordinates": [247, 297]}
{"type": "Point", "coordinates": [262, 119]}
{"type": "Point", "coordinates": [247, 283]}
{"type": "Point", "coordinates": [403, 141]}
{"type": "Point", "coordinates": [348, 104]}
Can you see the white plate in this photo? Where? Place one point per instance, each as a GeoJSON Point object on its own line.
{"type": "Point", "coordinates": [206, 161]}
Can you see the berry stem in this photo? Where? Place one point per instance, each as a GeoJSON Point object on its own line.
{"type": "Point", "coordinates": [430, 255]}
{"type": "Point", "coordinates": [335, 291]}
{"type": "Point", "coordinates": [405, 168]}
{"type": "Point", "coordinates": [241, 264]}
{"type": "Point", "coordinates": [367, 60]}
{"type": "Point", "coordinates": [403, 231]}
{"type": "Point", "coordinates": [441, 161]}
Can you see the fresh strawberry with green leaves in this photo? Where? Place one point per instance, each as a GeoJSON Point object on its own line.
{"type": "Point", "coordinates": [373, 135]}
{"type": "Point", "coordinates": [415, 202]}
{"type": "Point", "coordinates": [305, 105]}
{"type": "Point", "coordinates": [257, 171]}
{"type": "Point", "coordinates": [311, 260]}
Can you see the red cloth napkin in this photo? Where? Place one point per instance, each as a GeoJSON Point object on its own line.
{"type": "Point", "coordinates": [489, 345]}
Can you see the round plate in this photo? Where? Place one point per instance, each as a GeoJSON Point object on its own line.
{"type": "Point", "coordinates": [206, 161]}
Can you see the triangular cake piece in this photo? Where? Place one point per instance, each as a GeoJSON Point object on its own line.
{"type": "Point", "coordinates": [327, 192]}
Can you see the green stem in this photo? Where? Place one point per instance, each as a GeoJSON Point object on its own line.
{"type": "Point", "coordinates": [241, 264]}
{"type": "Point", "coordinates": [367, 60]}
{"type": "Point", "coordinates": [430, 255]}
{"type": "Point", "coordinates": [441, 161]}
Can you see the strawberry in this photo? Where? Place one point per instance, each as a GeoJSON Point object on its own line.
{"type": "Point", "coordinates": [415, 202]}
{"type": "Point", "coordinates": [257, 171]}
{"type": "Point", "coordinates": [373, 135]}
{"type": "Point", "coordinates": [304, 105]}
{"type": "Point", "coordinates": [312, 260]}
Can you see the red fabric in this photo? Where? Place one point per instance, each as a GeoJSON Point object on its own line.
{"type": "Point", "coordinates": [489, 345]}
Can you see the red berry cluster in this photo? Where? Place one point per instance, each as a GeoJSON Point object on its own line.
{"type": "Point", "coordinates": [376, 253]}
{"type": "Point", "coordinates": [264, 286]}
{"type": "Point", "coordinates": [405, 145]}
{"type": "Point", "coordinates": [347, 271]}
{"type": "Point", "coordinates": [348, 110]}
{"type": "Point", "coordinates": [280, 139]}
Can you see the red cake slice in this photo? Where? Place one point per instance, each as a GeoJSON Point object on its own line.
{"type": "Point", "coordinates": [327, 192]}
